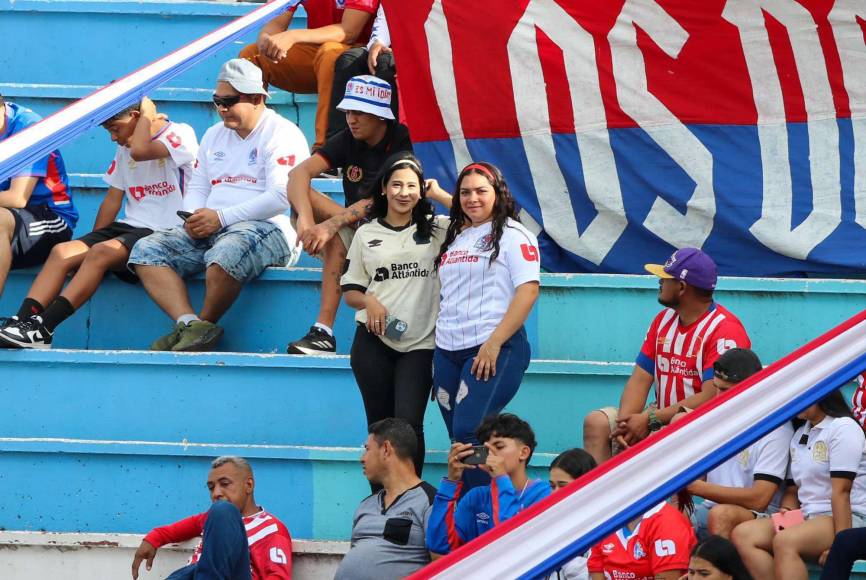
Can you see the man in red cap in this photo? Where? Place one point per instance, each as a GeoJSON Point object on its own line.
{"type": "Point", "coordinates": [683, 342]}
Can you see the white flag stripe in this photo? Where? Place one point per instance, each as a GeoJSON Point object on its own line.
{"type": "Point", "coordinates": [263, 533]}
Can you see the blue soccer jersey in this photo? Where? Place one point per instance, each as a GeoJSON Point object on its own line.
{"type": "Point", "coordinates": [52, 189]}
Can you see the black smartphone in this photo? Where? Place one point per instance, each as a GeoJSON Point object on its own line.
{"type": "Point", "coordinates": [395, 328]}
{"type": "Point", "coordinates": [479, 455]}
{"type": "Point", "coordinates": [184, 215]}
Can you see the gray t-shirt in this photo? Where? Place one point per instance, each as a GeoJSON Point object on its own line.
{"type": "Point", "coordinates": [389, 543]}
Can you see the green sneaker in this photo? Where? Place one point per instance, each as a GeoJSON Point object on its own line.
{"type": "Point", "coordinates": [170, 339]}
{"type": "Point", "coordinates": [198, 336]}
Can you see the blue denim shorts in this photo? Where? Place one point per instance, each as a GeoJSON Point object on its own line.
{"type": "Point", "coordinates": [243, 250]}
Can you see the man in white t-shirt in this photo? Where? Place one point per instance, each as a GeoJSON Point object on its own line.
{"type": "Point", "coordinates": [748, 485]}
{"type": "Point", "coordinates": [151, 168]}
{"type": "Point", "coordinates": [235, 224]}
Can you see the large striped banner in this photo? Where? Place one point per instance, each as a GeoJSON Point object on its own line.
{"type": "Point", "coordinates": [629, 127]}
{"type": "Point", "coordinates": [571, 521]}
{"type": "Point", "coordinates": [66, 124]}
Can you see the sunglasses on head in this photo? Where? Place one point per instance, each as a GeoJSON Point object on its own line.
{"type": "Point", "coordinates": [227, 102]}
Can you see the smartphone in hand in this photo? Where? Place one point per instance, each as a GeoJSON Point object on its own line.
{"type": "Point", "coordinates": [184, 215]}
{"type": "Point", "coordinates": [789, 519]}
{"type": "Point", "coordinates": [478, 457]}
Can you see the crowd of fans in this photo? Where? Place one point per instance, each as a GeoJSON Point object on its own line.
{"type": "Point", "coordinates": [221, 206]}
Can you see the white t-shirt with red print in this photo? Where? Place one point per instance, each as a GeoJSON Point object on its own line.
{"type": "Point", "coordinates": [154, 189]}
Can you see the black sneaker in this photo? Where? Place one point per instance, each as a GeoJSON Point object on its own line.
{"type": "Point", "coordinates": [317, 341]}
{"type": "Point", "coordinates": [28, 333]}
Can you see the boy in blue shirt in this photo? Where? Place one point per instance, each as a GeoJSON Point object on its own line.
{"type": "Point", "coordinates": [509, 441]}
{"type": "Point", "coordinates": [36, 209]}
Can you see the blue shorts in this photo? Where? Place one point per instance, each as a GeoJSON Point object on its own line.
{"type": "Point", "coordinates": [243, 250]}
{"type": "Point", "coordinates": [701, 515]}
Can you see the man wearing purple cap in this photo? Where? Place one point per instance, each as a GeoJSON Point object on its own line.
{"type": "Point", "coordinates": [683, 342]}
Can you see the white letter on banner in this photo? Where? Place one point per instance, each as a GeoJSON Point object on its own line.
{"type": "Point", "coordinates": [444, 85]}
{"type": "Point", "coordinates": [774, 228]}
{"type": "Point", "coordinates": [629, 70]}
{"type": "Point", "coordinates": [852, 53]}
{"type": "Point", "coordinates": [530, 99]}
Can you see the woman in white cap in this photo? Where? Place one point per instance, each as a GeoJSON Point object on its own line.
{"type": "Point", "coordinates": [826, 494]}
{"type": "Point", "coordinates": [391, 281]}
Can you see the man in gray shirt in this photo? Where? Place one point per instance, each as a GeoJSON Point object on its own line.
{"type": "Point", "coordinates": [388, 529]}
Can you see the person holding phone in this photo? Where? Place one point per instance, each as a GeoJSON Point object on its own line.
{"type": "Point", "coordinates": [489, 267]}
{"type": "Point", "coordinates": [151, 168]}
{"type": "Point", "coordinates": [509, 441]}
{"type": "Point", "coordinates": [826, 494]}
{"type": "Point", "coordinates": [391, 282]}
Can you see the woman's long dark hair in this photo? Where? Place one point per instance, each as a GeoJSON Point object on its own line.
{"type": "Point", "coordinates": [503, 208]}
{"type": "Point", "coordinates": [722, 554]}
{"type": "Point", "coordinates": [422, 213]}
{"type": "Point", "coordinates": [575, 462]}
{"type": "Point", "coordinates": [834, 405]}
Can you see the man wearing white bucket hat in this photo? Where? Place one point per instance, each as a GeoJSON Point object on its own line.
{"type": "Point", "coordinates": [324, 227]}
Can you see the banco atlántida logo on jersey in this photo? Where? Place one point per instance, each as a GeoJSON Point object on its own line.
{"type": "Point", "coordinates": [400, 271]}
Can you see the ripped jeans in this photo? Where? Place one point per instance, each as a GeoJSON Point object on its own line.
{"type": "Point", "coordinates": [464, 401]}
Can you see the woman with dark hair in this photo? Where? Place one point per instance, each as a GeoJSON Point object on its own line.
{"type": "Point", "coordinates": [826, 494]}
{"type": "Point", "coordinates": [717, 559]}
{"type": "Point", "coordinates": [568, 466]}
{"type": "Point", "coordinates": [489, 268]}
{"type": "Point", "coordinates": [390, 280]}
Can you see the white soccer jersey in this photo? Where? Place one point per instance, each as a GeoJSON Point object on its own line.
{"type": "Point", "coordinates": [766, 458]}
{"type": "Point", "coordinates": [396, 267]}
{"type": "Point", "coordinates": [245, 179]}
{"type": "Point", "coordinates": [475, 294]}
{"type": "Point", "coordinates": [154, 189]}
{"type": "Point", "coordinates": [833, 447]}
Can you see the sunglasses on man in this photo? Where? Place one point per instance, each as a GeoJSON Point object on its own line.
{"type": "Point", "coordinates": [226, 102]}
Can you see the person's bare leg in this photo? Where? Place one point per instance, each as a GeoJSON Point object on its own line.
{"type": "Point", "coordinates": [323, 206]}
{"type": "Point", "coordinates": [221, 291]}
{"type": "Point", "coordinates": [7, 230]}
{"type": "Point", "coordinates": [596, 436]}
{"type": "Point", "coordinates": [723, 518]}
{"type": "Point", "coordinates": [808, 540]}
{"type": "Point", "coordinates": [165, 288]}
{"type": "Point", "coordinates": [754, 542]}
{"type": "Point", "coordinates": [101, 258]}
{"type": "Point", "coordinates": [63, 259]}
{"type": "Point", "coordinates": [332, 269]}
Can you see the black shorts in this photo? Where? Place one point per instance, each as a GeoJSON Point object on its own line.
{"type": "Point", "coordinates": [37, 230]}
{"type": "Point", "coordinates": [123, 233]}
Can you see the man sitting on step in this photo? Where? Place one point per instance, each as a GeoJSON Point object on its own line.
{"type": "Point", "coordinates": [151, 168]}
{"type": "Point", "coordinates": [240, 540]}
{"type": "Point", "coordinates": [324, 227]}
{"type": "Point", "coordinates": [388, 529]}
{"type": "Point", "coordinates": [235, 224]}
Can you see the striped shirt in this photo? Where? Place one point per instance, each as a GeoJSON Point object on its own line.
{"type": "Point", "coordinates": [858, 401]}
{"type": "Point", "coordinates": [476, 294]}
{"type": "Point", "coordinates": [681, 358]}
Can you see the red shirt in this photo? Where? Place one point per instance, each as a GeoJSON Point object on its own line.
{"type": "Point", "coordinates": [681, 357]}
{"type": "Point", "coordinates": [662, 541]}
{"type": "Point", "coordinates": [324, 12]}
{"type": "Point", "coordinates": [269, 541]}
{"type": "Point", "coordinates": [858, 400]}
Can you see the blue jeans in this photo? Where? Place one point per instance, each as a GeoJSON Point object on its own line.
{"type": "Point", "coordinates": [849, 545]}
{"type": "Point", "coordinates": [464, 401]}
{"type": "Point", "coordinates": [225, 553]}
{"type": "Point", "coordinates": [243, 250]}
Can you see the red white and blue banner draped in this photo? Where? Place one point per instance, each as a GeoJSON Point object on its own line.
{"type": "Point", "coordinates": [626, 128]}
{"type": "Point", "coordinates": [571, 521]}
{"type": "Point", "coordinates": [82, 115]}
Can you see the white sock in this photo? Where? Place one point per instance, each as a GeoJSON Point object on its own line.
{"type": "Point", "coordinates": [187, 318]}
{"type": "Point", "coordinates": [324, 327]}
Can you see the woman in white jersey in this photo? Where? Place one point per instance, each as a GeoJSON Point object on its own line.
{"type": "Point", "coordinates": [391, 281]}
{"type": "Point", "coordinates": [489, 268]}
{"type": "Point", "coordinates": [826, 494]}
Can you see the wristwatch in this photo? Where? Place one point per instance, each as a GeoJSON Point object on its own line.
{"type": "Point", "coordinates": [654, 423]}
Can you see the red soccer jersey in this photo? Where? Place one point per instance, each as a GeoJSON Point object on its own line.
{"type": "Point", "coordinates": [858, 401]}
{"type": "Point", "coordinates": [681, 357]}
{"type": "Point", "coordinates": [662, 541]}
{"type": "Point", "coordinates": [269, 541]}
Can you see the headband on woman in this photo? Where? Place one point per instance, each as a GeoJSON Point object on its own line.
{"type": "Point", "coordinates": [408, 162]}
{"type": "Point", "coordinates": [482, 169]}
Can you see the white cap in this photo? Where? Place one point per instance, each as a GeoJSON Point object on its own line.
{"type": "Point", "coordinates": [243, 76]}
{"type": "Point", "coordinates": [367, 94]}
